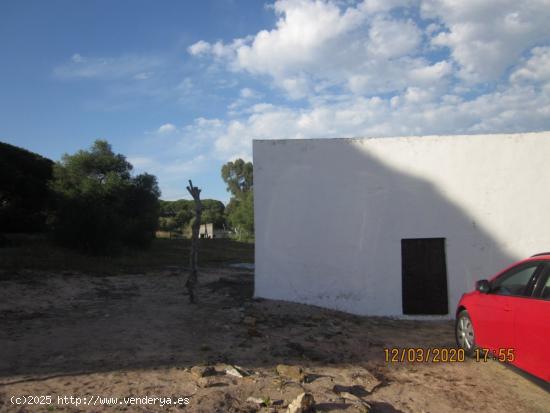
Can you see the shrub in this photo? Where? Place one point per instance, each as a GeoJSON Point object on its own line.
{"type": "Point", "coordinates": [100, 207]}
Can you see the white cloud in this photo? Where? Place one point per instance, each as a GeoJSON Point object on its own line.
{"type": "Point", "coordinates": [321, 44]}
{"type": "Point", "coordinates": [247, 93]}
{"type": "Point", "coordinates": [430, 74]}
{"type": "Point", "coordinates": [77, 58]}
{"type": "Point", "coordinates": [125, 66]}
{"type": "Point", "coordinates": [203, 129]}
{"type": "Point", "coordinates": [199, 48]}
{"type": "Point", "coordinates": [536, 69]}
{"type": "Point", "coordinates": [377, 6]}
{"type": "Point", "coordinates": [517, 105]}
{"type": "Point", "coordinates": [305, 31]}
{"type": "Point", "coordinates": [167, 128]}
{"type": "Point", "coordinates": [140, 162]}
{"type": "Point", "coordinates": [390, 38]}
{"type": "Point", "coordinates": [485, 37]}
{"type": "Point", "coordinates": [368, 48]}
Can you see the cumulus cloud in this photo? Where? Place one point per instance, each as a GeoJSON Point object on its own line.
{"type": "Point", "coordinates": [199, 48]}
{"type": "Point", "coordinates": [417, 111]}
{"type": "Point", "coordinates": [316, 45]}
{"type": "Point", "coordinates": [522, 103]}
{"type": "Point", "coordinates": [536, 68]}
{"type": "Point", "coordinates": [329, 42]}
{"type": "Point", "coordinates": [390, 38]}
{"type": "Point", "coordinates": [385, 68]}
{"type": "Point", "coordinates": [486, 37]}
{"type": "Point", "coordinates": [166, 128]}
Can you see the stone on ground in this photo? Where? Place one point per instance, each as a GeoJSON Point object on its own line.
{"type": "Point", "coordinates": [304, 403]}
{"type": "Point", "coordinates": [292, 372]}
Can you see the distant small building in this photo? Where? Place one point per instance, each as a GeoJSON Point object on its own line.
{"type": "Point", "coordinates": [209, 231]}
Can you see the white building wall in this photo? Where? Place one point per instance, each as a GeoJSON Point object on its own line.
{"type": "Point", "coordinates": [330, 213]}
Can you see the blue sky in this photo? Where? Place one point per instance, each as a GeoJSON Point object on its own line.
{"type": "Point", "coordinates": [181, 87]}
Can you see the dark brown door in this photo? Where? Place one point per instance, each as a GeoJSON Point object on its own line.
{"type": "Point", "coordinates": [424, 273]}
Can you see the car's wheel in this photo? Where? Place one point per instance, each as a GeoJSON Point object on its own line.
{"type": "Point", "coordinates": [464, 332]}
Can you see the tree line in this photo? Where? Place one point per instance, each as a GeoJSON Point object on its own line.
{"type": "Point", "coordinates": [91, 201]}
{"type": "Point", "coordinates": [238, 216]}
{"type": "Point", "coordinates": [177, 215]}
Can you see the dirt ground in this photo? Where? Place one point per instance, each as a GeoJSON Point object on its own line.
{"type": "Point", "coordinates": [136, 335]}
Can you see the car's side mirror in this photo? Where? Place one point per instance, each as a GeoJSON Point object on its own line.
{"type": "Point", "coordinates": [483, 286]}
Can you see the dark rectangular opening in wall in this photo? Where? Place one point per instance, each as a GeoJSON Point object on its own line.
{"type": "Point", "coordinates": [424, 272]}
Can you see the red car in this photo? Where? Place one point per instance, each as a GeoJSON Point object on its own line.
{"type": "Point", "coordinates": [507, 318]}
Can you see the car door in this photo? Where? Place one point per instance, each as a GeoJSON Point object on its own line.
{"type": "Point", "coordinates": [495, 314]}
{"type": "Point", "coordinates": [532, 329]}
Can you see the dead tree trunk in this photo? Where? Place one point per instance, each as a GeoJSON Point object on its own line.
{"type": "Point", "coordinates": [194, 254]}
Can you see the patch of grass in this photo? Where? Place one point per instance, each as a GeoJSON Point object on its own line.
{"type": "Point", "coordinates": [42, 254]}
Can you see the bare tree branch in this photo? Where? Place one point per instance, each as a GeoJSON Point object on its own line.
{"type": "Point", "coordinates": [194, 254]}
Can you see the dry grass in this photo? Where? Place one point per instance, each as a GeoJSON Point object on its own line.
{"type": "Point", "coordinates": [41, 254]}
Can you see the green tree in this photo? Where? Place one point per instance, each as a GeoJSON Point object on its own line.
{"type": "Point", "coordinates": [213, 212]}
{"type": "Point", "coordinates": [240, 215]}
{"type": "Point", "coordinates": [167, 224]}
{"type": "Point", "coordinates": [24, 191]}
{"type": "Point", "coordinates": [176, 215]}
{"type": "Point", "coordinates": [238, 175]}
{"type": "Point", "coordinates": [183, 217]}
{"type": "Point", "coordinates": [100, 206]}
{"type": "Point", "coordinates": [141, 210]}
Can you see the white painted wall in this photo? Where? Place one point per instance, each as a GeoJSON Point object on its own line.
{"type": "Point", "coordinates": [330, 213]}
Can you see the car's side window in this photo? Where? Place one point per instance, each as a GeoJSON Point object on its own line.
{"type": "Point", "coordinates": [545, 294]}
{"type": "Point", "coordinates": [515, 281]}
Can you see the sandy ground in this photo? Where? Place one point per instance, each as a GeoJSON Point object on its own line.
{"type": "Point", "coordinates": [136, 335]}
